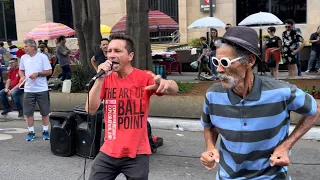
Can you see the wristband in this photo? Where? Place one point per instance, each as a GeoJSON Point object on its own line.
{"type": "Point", "coordinates": [39, 75]}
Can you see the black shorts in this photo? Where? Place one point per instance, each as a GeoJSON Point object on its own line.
{"type": "Point", "coordinates": [105, 167]}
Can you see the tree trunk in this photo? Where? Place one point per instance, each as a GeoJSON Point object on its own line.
{"type": "Point", "coordinates": [138, 29]}
{"type": "Point", "coordinates": [86, 18]}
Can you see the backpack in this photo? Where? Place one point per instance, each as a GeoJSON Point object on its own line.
{"type": "Point", "coordinates": [154, 141]}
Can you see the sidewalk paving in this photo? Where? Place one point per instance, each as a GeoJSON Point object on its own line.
{"type": "Point", "coordinates": [177, 159]}
{"type": "Point", "coordinates": [170, 124]}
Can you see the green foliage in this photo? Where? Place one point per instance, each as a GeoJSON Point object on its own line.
{"type": "Point", "coordinates": [79, 78]}
{"type": "Point", "coordinates": [195, 42]}
{"type": "Point", "coordinates": [185, 87]}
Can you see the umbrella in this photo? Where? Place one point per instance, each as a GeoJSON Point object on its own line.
{"type": "Point", "coordinates": [157, 21]}
{"type": "Point", "coordinates": [50, 31]}
{"type": "Point", "coordinates": [104, 29]}
{"type": "Point", "coordinates": [260, 18]}
{"type": "Point", "coordinates": [207, 22]}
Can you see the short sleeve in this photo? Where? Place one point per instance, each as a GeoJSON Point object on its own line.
{"type": "Point", "coordinates": [10, 75]}
{"type": "Point", "coordinates": [205, 117]}
{"type": "Point", "coordinates": [60, 50]}
{"type": "Point", "coordinates": [313, 37]}
{"type": "Point", "coordinates": [103, 91]}
{"type": "Point", "coordinates": [278, 39]}
{"type": "Point", "coordinates": [299, 38]}
{"type": "Point", "coordinates": [301, 102]}
{"type": "Point", "coordinates": [21, 66]}
{"type": "Point", "coordinates": [46, 62]}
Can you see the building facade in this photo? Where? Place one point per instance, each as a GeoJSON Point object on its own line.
{"type": "Point", "coordinates": [304, 12]}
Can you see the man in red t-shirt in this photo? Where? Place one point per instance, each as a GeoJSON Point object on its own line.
{"type": "Point", "coordinates": [126, 93]}
{"type": "Point", "coordinates": [12, 89]}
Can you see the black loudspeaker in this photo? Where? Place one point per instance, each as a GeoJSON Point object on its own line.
{"type": "Point", "coordinates": [88, 131]}
{"type": "Point", "coordinates": [62, 135]}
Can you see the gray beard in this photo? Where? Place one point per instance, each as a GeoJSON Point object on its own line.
{"type": "Point", "coordinates": [232, 82]}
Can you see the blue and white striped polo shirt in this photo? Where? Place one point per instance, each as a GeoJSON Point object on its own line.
{"type": "Point", "coordinates": [251, 128]}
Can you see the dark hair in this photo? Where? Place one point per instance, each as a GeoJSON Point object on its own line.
{"type": "Point", "coordinates": [43, 45]}
{"type": "Point", "coordinates": [126, 38]}
{"type": "Point", "coordinates": [272, 29]}
{"type": "Point", "coordinates": [13, 59]}
{"type": "Point", "coordinates": [104, 39]}
{"type": "Point", "coordinates": [9, 41]}
{"type": "Point", "coordinates": [289, 21]}
{"type": "Point", "coordinates": [59, 39]}
{"type": "Point", "coordinates": [203, 39]}
{"type": "Point", "coordinates": [1, 44]}
{"type": "Point", "coordinates": [318, 28]}
{"type": "Point", "coordinates": [228, 24]}
{"type": "Point", "coordinates": [213, 29]}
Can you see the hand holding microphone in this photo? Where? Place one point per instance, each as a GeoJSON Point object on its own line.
{"type": "Point", "coordinates": [104, 70]}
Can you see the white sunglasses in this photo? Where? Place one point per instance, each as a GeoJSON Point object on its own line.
{"type": "Point", "coordinates": [225, 62]}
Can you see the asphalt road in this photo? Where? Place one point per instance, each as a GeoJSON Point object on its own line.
{"type": "Point", "coordinates": [178, 159]}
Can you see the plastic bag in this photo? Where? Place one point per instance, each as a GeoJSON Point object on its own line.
{"type": "Point", "coordinates": [194, 64]}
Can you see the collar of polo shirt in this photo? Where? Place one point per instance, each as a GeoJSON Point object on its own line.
{"type": "Point", "coordinates": [254, 95]}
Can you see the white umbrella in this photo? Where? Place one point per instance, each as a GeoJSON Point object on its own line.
{"type": "Point", "coordinates": [260, 18]}
{"type": "Point", "coordinates": [207, 22]}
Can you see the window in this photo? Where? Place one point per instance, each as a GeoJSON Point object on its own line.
{"type": "Point", "coordinates": [8, 21]}
{"type": "Point", "coordinates": [169, 7]}
{"type": "Point", "coordinates": [62, 12]}
{"type": "Point", "coordinates": [283, 9]}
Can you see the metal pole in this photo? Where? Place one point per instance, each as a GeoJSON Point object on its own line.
{"type": "Point", "coordinates": [4, 21]}
{"type": "Point", "coordinates": [211, 8]}
{"type": "Point", "coordinates": [211, 15]}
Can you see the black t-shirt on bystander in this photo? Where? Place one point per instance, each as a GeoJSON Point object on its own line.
{"type": "Point", "coordinates": [315, 46]}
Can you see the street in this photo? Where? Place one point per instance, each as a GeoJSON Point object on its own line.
{"type": "Point", "coordinates": [177, 159]}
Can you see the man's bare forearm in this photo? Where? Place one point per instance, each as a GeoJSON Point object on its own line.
{"type": "Point", "coordinates": [21, 74]}
{"type": "Point", "coordinates": [303, 126]}
{"type": "Point", "coordinates": [210, 136]}
{"type": "Point", "coordinates": [46, 72]}
{"type": "Point", "coordinates": [94, 97]}
{"type": "Point", "coordinates": [8, 83]}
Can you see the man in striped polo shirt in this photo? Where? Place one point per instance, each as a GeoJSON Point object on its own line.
{"type": "Point", "coordinates": [250, 114]}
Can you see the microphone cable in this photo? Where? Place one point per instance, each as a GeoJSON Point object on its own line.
{"type": "Point", "coordinates": [93, 124]}
{"type": "Point", "coordinates": [93, 132]}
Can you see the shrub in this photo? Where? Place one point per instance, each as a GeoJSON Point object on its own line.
{"type": "Point", "coordinates": [79, 78]}
{"type": "Point", "coordinates": [185, 87]}
{"type": "Point", "coordinates": [195, 42]}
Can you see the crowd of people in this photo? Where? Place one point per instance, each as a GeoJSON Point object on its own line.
{"type": "Point", "coordinates": [285, 49]}
{"type": "Point", "coordinates": [242, 109]}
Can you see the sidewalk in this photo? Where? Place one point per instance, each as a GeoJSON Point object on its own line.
{"type": "Point", "coordinates": [169, 124]}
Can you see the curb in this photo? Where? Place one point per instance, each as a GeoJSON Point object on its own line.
{"type": "Point", "coordinates": [175, 124]}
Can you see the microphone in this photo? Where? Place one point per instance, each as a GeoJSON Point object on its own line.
{"type": "Point", "coordinates": [100, 73]}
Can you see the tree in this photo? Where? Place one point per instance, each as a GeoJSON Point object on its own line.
{"type": "Point", "coordinates": [86, 18]}
{"type": "Point", "coordinates": [138, 29]}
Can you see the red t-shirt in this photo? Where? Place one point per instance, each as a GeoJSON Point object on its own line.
{"type": "Point", "coordinates": [126, 105]}
{"type": "Point", "coordinates": [14, 77]}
